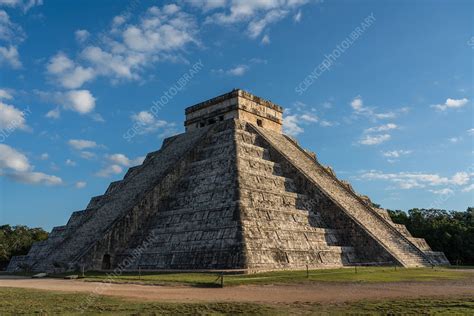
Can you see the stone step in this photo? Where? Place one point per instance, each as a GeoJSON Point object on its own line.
{"type": "Point", "coordinates": [252, 164]}
{"type": "Point", "coordinates": [251, 150]}
{"type": "Point", "coordinates": [256, 179]}
{"type": "Point", "coordinates": [269, 199]}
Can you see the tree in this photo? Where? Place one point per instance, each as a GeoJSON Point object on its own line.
{"type": "Point", "coordinates": [451, 232]}
{"type": "Point", "coordinates": [17, 241]}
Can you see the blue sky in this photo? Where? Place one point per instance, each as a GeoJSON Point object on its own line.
{"type": "Point", "coordinates": [381, 92]}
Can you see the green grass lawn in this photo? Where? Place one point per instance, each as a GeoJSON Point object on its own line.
{"type": "Point", "coordinates": [22, 301]}
{"type": "Point", "coordinates": [363, 274]}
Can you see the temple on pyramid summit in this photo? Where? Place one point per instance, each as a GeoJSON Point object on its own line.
{"type": "Point", "coordinates": [231, 192]}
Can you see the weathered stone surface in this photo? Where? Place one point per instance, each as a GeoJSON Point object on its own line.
{"type": "Point", "coordinates": [228, 194]}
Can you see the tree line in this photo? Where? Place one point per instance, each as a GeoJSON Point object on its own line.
{"type": "Point", "coordinates": [17, 241]}
{"type": "Point", "coordinates": [451, 232]}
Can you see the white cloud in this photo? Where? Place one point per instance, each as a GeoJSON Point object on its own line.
{"type": "Point", "coordinates": [374, 139]}
{"type": "Point", "coordinates": [357, 105]}
{"type": "Point", "coordinates": [381, 128]}
{"type": "Point", "coordinates": [9, 55]}
{"type": "Point", "coordinates": [121, 159]}
{"type": "Point", "coordinates": [70, 163]}
{"type": "Point", "coordinates": [297, 16]}
{"type": "Point", "coordinates": [9, 31]}
{"type": "Point", "coordinates": [116, 162]}
{"type": "Point", "coordinates": [36, 178]}
{"type": "Point", "coordinates": [309, 117]}
{"type": "Point", "coordinates": [11, 34]}
{"type": "Point", "coordinates": [125, 50]}
{"type": "Point", "coordinates": [82, 35]}
{"type": "Point", "coordinates": [5, 94]}
{"type": "Point", "coordinates": [12, 159]}
{"type": "Point", "coordinates": [455, 140]}
{"type": "Point", "coordinates": [451, 104]}
{"type": "Point", "coordinates": [109, 171]}
{"type": "Point", "coordinates": [24, 5]}
{"type": "Point", "coordinates": [12, 118]}
{"type": "Point", "coordinates": [16, 166]}
{"type": "Point", "coordinates": [469, 188]}
{"type": "Point", "coordinates": [256, 15]}
{"type": "Point", "coordinates": [54, 114]}
{"type": "Point", "coordinates": [396, 153]}
{"type": "Point", "coordinates": [80, 184]}
{"type": "Point", "coordinates": [265, 39]}
{"type": "Point", "coordinates": [146, 123]}
{"type": "Point", "coordinates": [301, 115]}
{"type": "Point", "coordinates": [44, 156]}
{"type": "Point", "coordinates": [460, 178]}
{"type": "Point", "coordinates": [239, 70]}
{"type": "Point", "coordinates": [87, 155]}
{"type": "Point", "coordinates": [470, 131]}
{"type": "Point", "coordinates": [207, 5]}
{"type": "Point", "coordinates": [290, 125]}
{"type": "Point", "coordinates": [445, 191]}
{"type": "Point", "coordinates": [80, 101]}
{"type": "Point", "coordinates": [67, 73]}
{"type": "Point", "coordinates": [81, 144]}
{"type": "Point", "coordinates": [410, 180]}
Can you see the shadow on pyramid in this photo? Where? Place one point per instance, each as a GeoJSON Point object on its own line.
{"type": "Point", "coordinates": [231, 193]}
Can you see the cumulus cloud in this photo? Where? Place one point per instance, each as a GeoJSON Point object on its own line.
{"type": "Point", "coordinates": [126, 49]}
{"type": "Point", "coordinates": [256, 15]}
{"type": "Point", "coordinates": [358, 107]}
{"type": "Point", "coordinates": [67, 73]}
{"type": "Point", "coordinates": [121, 159]}
{"type": "Point", "coordinates": [79, 101]}
{"type": "Point", "coordinates": [16, 166]}
{"type": "Point", "coordinates": [382, 128]}
{"type": "Point", "coordinates": [70, 163]}
{"type": "Point", "coordinates": [5, 94]}
{"type": "Point", "coordinates": [469, 188]}
{"type": "Point", "coordinates": [145, 122]}
{"type": "Point", "coordinates": [12, 118]}
{"type": "Point", "coordinates": [444, 191]}
{"type": "Point", "coordinates": [410, 180]}
{"type": "Point", "coordinates": [450, 104]}
{"type": "Point", "coordinates": [470, 131]}
{"type": "Point", "coordinates": [265, 39]}
{"type": "Point", "coordinates": [11, 35]}
{"type": "Point", "coordinates": [374, 139]}
{"type": "Point", "coordinates": [297, 16]}
{"type": "Point", "coordinates": [24, 5]}
{"type": "Point", "coordinates": [81, 35]}
{"type": "Point", "coordinates": [80, 184]}
{"type": "Point", "coordinates": [109, 171]}
{"type": "Point", "coordinates": [396, 153]}
{"type": "Point", "coordinates": [9, 56]}
{"type": "Point", "coordinates": [290, 125]}
{"type": "Point", "coordinates": [239, 70]}
{"type": "Point", "coordinates": [81, 144]}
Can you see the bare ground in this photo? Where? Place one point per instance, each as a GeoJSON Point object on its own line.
{"type": "Point", "coordinates": [323, 292]}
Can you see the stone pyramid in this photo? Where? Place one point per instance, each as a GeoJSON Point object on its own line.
{"type": "Point", "coordinates": [232, 192]}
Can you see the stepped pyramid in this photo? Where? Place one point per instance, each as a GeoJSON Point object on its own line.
{"type": "Point", "coordinates": [232, 192]}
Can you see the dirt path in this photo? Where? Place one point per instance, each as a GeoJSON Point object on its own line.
{"type": "Point", "coordinates": [316, 292]}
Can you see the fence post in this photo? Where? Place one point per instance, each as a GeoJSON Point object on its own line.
{"type": "Point", "coordinates": [355, 269]}
{"type": "Point", "coordinates": [139, 272]}
{"type": "Point", "coordinates": [222, 279]}
{"type": "Point", "coordinates": [83, 275]}
{"type": "Point", "coordinates": [307, 272]}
